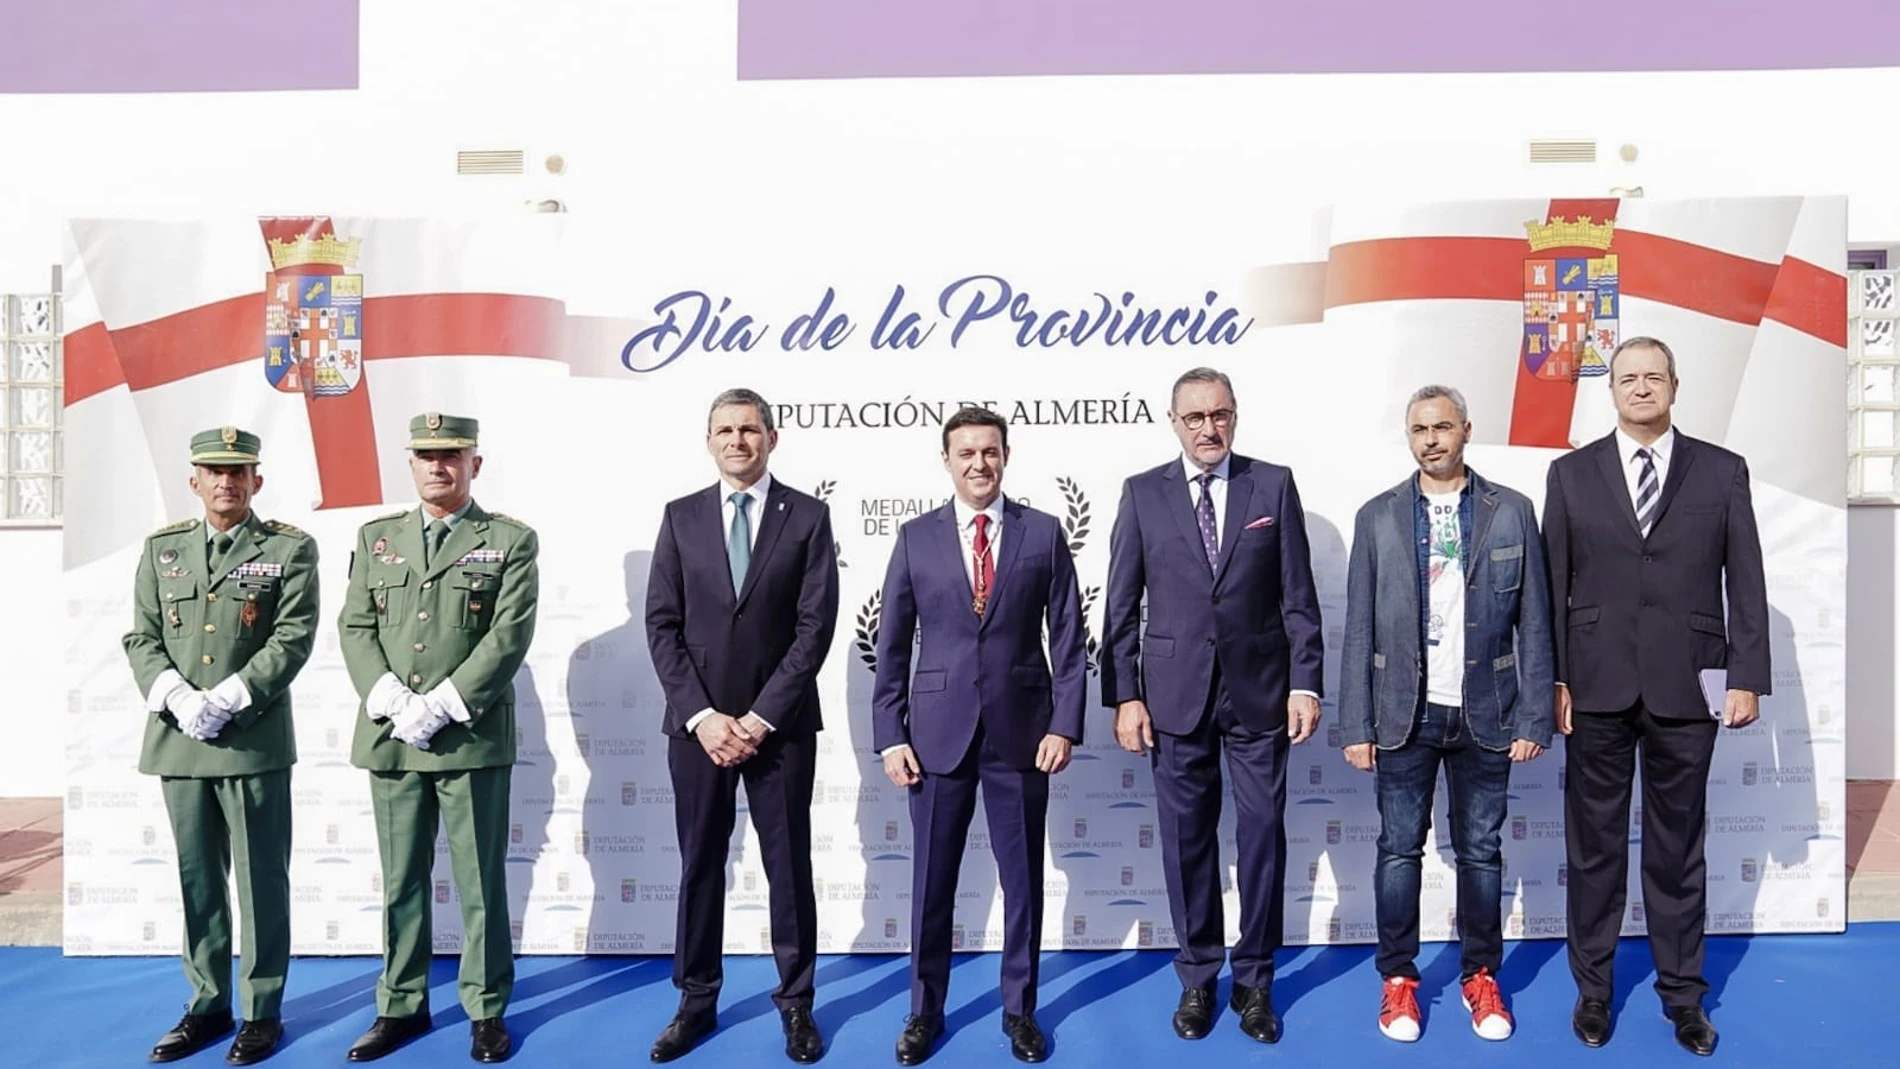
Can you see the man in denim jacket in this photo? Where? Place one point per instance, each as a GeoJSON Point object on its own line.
{"type": "Point", "coordinates": [1448, 659]}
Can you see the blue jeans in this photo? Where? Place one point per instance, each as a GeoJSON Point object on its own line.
{"type": "Point", "coordinates": [1477, 780]}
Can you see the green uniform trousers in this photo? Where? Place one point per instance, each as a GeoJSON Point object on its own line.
{"type": "Point", "coordinates": [473, 805]}
{"type": "Point", "coordinates": [213, 818]}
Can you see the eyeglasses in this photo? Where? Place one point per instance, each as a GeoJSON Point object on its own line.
{"type": "Point", "coordinates": [1222, 417]}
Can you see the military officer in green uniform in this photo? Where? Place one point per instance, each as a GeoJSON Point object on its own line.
{"type": "Point", "coordinates": [225, 611]}
{"type": "Point", "coordinates": [439, 615]}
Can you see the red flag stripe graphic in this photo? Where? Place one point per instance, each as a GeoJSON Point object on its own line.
{"type": "Point", "coordinates": [454, 324]}
{"type": "Point", "coordinates": [92, 364]}
{"type": "Point", "coordinates": [188, 343]}
{"type": "Point", "coordinates": [1653, 268]}
{"type": "Point", "coordinates": [205, 339]}
{"type": "Point", "coordinates": [1810, 299]}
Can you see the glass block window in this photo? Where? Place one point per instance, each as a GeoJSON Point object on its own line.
{"type": "Point", "coordinates": [32, 388]}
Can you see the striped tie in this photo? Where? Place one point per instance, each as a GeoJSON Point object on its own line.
{"type": "Point", "coordinates": [1647, 491]}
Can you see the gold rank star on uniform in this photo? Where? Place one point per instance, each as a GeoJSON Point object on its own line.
{"type": "Point", "coordinates": [225, 609]}
{"type": "Point", "coordinates": [438, 618]}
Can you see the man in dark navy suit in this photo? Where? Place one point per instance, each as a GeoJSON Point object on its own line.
{"type": "Point", "coordinates": [1229, 660]}
{"type": "Point", "coordinates": [1649, 531]}
{"type": "Point", "coordinates": [741, 605]}
{"type": "Point", "coordinates": [980, 576]}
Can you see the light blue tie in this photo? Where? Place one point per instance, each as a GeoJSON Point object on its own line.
{"type": "Point", "coordinates": [739, 542]}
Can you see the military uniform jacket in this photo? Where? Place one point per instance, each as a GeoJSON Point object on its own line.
{"type": "Point", "coordinates": [256, 617]}
{"type": "Point", "coordinates": [467, 617]}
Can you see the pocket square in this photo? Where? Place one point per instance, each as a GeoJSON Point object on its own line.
{"type": "Point", "coordinates": [1264, 521]}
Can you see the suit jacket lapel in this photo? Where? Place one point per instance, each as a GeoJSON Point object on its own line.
{"type": "Point", "coordinates": [409, 539]}
{"type": "Point", "coordinates": [1180, 494]}
{"type": "Point", "coordinates": [1006, 559]}
{"type": "Point", "coordinates": [1239, 497]}
{"type": "Point", "coordinates": [709, 524]}
{"type": "Point", "coordinates": [1484, 510]}
{"type": "Point", "coordinates": [197, 554]}
{"type": "Point", "coordinates": [949, 542]}
{"type": "Point", "coordinates": [1404, 527]}
{"type": "Point", "coordinates": [771, 519]}
{"type": "Point", "coordinates": [1610, 463]}
{"type": "Point", "coordinates": [1678, 470]}
{"type": "Point", "coordinates": [469, 534]}
{"type": "Point", "coordinates": [244, 547]}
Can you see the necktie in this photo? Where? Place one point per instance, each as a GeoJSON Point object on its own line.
{"type": "Point", "coordinates": [437, 534]}
{"type": "Point", "coordinates": [985, 569]}
{"type": "Point", "coordinates": [1648, 491]}
{"type": "Point", "coordinates": [220, 545]}
{"type": "Point", "coordinates": [1204, 512]}
{"type": "Point", "coordinates": [739, 540]}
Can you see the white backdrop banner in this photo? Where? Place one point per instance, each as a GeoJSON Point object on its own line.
{"type": "Point", "coordinates": [590, 423]}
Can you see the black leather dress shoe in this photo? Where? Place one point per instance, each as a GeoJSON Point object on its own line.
{"type": "Point", "coordinates": [919, 1034]}
{"type": "Point", "coordinates": [803, 1044]}
{"type": "Point", "coordinates": [1025, 1037]}
{"type": "Point", "coordinates": [1693, 1030]}
{"type": "Point", "coordinates": [1194, 1016]}
{"type": "Point", "coordinates": [388, 1034]}
{"type": "Point", "coordinates": [256, 1041]}
{"type": "Point", "coordinates": [193, 1033]}
{"type": "Point", "coordinates": [683, 1034]}
{"type": "Point", "coordinates": [1255, 1007]}
{"type": "Point", "coordinates": [1591, 1021]}
{"type": "Point", "coordinates": [489, 1040]}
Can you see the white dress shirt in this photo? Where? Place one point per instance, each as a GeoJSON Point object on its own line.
{"type": "Point", "coordinates": [1661, 449]}
{"type": "Point", "coordinates": [966, 530]}
{"type": "Point", "coordinates": [755, 512]}
{"type": "Point", "coordinates": [1218, 491]}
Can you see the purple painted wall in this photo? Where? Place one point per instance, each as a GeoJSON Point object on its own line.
{"type": "Point", "coordinates": [158, 46]}
{"type": "Point", "coordinates": [917, 38]}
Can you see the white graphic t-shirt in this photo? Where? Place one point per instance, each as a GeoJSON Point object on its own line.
{"type": "Point", "coordinates": [1445, 611]}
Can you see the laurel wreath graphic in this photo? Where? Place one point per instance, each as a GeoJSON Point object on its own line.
{"type": "Point", "coordinates": [868, 619]}
{"type": "Point", "coordinates": [1090, 594]}
{"type": "Point", "coordinates": [1075, 527]}
{"type": "Point", "coordinates": [823, 492]}
{"type": "Point", "coordinates": [1075, 519]}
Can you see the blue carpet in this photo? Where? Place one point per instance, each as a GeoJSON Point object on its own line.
{"type": "Point", "coordinates": [1778, 1001]}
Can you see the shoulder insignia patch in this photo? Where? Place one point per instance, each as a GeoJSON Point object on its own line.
{"type": "Point", "coordinates": [174, 528]}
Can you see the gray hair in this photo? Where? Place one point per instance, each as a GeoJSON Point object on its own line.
{"type": "Point", "coordinates": [1642, 341]}
{"type": "Point", "coordinates": [1201, 374]}
{"type": "Point", "coordinates": [1432, 393]}
{"type": "Point", "coordinates": [742, 396]}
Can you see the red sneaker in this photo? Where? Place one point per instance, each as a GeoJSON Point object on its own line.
{"type": "Point", "coordinates": [1489, 1018]}
{"type": "Point", "coordinates": [1398, 1009]}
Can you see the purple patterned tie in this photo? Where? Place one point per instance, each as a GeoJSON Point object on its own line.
{"type": "Point", "coordinates": [1204, 512]}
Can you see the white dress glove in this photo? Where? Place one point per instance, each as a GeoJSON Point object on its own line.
{"type": "Point", "coordinates": [385, 698]}
{"type": "Point", "coordinates": [416, 722]}
{"type": "Point", "coordinates": [187, 705]}
{"type": "Point", "coordinates": [222, 703]}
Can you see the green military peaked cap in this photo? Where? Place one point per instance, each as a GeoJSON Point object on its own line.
{"type": "Point", "coordinates": [225, 445]}
{"type": "Point", "coordinates": [433, 430]}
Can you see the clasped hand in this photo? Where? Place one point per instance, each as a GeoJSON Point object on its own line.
{"type": "Point", "coordinates": [199, 713]}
